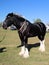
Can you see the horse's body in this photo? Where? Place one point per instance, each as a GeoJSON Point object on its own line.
{"type": "Point", "coordinates": [26, 30]}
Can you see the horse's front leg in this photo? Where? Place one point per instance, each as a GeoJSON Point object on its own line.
{"type": "Point", "coordinates": [21, 53]}
{"type": "Point", "coordinates": [26, 53]}
{"type": "Point", "coordinates": [24, 49]}
{"type": "Point", "coordinates": [22, 43]}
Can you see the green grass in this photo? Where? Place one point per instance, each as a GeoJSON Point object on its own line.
{"type": "Point", "coordinates": [11, 56]}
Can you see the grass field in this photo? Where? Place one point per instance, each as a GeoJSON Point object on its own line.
{"type": "Point", "coordinates": [9, 55]}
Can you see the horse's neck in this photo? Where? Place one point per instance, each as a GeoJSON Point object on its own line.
{"type": "Point", "coordinates": [18, 25]}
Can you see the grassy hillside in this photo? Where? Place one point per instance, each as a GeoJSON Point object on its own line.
{"type": "Point", "coordinates": [9, 53]}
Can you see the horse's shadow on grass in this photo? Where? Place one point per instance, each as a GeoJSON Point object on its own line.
{"type": "Point", "coordinates": [3, 49]}
{"type": "Point", "coordinates": [31, 46]}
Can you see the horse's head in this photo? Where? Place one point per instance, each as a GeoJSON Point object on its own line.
{"type": "Point", "coordinates": [14, 19]}
{"type": "Point", "coordinates": [8, 20]}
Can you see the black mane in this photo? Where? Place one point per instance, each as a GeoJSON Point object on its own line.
{"type": "Point", "coordinates": [20, 17]}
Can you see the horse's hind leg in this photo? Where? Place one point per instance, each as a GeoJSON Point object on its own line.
{"type": "Point", "coordinates": [42, 45]}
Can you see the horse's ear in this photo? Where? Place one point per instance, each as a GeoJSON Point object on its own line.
{"type": "Point", "coordinates": [10, 15]}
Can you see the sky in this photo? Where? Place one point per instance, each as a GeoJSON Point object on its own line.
{"type": "Point", "coordinates": [30, 9]}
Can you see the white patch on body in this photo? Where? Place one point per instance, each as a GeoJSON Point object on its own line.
{"type": "Point", "coordinates": [42, 46]}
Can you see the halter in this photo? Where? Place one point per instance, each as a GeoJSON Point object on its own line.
{"type": "Point", "coordinates": [24, 26]}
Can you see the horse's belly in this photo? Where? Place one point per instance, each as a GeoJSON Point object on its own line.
{"type": "Point", "coordinates": [32, 34]}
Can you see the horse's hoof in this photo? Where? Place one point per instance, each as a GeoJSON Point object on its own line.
{"type": "Point", "coordinates": [26, 55]}
{"type": "Point", "coordinates": [42, 49]}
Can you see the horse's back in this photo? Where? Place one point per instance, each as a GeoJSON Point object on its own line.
{"type": "Point", "coordinates": [41, 26]}
{"type": "Point", "coordinates": [38, 28]}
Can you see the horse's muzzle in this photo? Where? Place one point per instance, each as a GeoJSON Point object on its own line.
{"type": "Point", "coordinates": [4, 25]}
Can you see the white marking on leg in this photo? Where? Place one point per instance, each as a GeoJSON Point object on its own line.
{"type": "Point", "coordinates": [22, 50]}
{"type": "Point", "coordinates": [42, 46]}
{"type": "Point", "coordinates": [26, 54]}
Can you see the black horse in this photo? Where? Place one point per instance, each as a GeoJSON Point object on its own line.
{"type": "Point", "coordinates": [26, 30]}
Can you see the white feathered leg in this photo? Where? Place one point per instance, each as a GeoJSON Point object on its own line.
{"type": "Point", "coordinates": [42, 46]}
{"type": "Point", "coordinates": [22, 50]}
{"type": "Point", "coordinates": [26, 54]}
